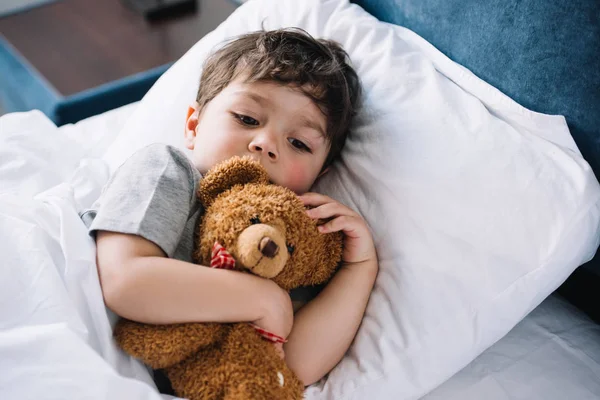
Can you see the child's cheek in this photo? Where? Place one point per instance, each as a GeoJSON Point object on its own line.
{"type": "Point", "coordinates": [298, 178]}
{"type": "Point", "coordinates": [226, 148]}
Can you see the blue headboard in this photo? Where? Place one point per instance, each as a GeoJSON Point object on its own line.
{"type": "Point", "coordinates": [545, 54]}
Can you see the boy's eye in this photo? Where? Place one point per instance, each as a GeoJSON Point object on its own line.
{"type": "Point", "coordinates": [299, 145]}
{"type": "Point", "coordinates": [246, 120]}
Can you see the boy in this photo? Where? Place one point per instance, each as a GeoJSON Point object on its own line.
{"type": "Point", "coordinates": [285, 99]}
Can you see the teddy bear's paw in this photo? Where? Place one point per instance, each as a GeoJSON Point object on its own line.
{"type": "Point", "coordinates": [260, 389]}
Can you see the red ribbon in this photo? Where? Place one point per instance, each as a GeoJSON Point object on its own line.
{"type": "Point", "coordinates": [268, 335]}
{"type": "Point", "coordinates": [221, 258]}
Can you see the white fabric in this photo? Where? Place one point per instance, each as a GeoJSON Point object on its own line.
{"type": "Point", "coordinates": [36, 155]}
{"type": "Point", "coordinates": [28, 156]}
{"type": "Point", "coordinates": [553, 354]}
{"type": "Point", "coordinates": [479, 207]}
{"type": "Point", "coordinates": [55, 332]}
{"type": "Point", "coordinates": [95, 134]}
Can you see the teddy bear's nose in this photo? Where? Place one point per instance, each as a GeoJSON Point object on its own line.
{"type": "Point", "coordinates": [268, 247]}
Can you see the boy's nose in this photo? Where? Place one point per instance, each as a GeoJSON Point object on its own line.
{"type": "Point", "coordinates": [265, 147]}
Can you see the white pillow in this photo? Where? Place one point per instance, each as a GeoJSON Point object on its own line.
{"type": "Point", "coordinates": [479, 207]}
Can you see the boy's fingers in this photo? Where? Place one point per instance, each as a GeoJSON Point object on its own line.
{"type": "Point", "coordinates": [329, 210]}
{"type": "Point", "coordinates": [315, 199]}
{"type": "Point", "coordinates": [342, 223]}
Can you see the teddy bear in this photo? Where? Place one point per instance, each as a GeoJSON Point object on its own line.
{"type": "Point", "coordinates": [253, 226]}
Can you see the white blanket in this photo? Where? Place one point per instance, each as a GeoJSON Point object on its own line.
{"type": "Point", "coordinates": [55, 332]}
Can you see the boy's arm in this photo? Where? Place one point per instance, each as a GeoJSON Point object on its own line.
{"type": "Point", "coordinates": [140, 283]}
{"type": "Point", "coordinates": [324, 328]}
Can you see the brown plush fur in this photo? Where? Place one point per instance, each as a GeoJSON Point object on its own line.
{"type": "Point", "coordinates": [232, 361]}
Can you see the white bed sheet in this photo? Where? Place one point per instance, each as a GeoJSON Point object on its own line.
{"type": "Point", "coordinates": [55, 333]}
{"type": "Point", "coordinates": [553, 354]}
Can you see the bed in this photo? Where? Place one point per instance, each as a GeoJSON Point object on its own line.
{"type": "Point", "coordinates": [55, 339]}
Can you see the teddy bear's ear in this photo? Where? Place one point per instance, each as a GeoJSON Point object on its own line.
{"type": "Point", "coordinates": [223, 176]}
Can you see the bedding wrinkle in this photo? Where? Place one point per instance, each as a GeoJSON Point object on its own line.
{"type": "Point", "coordinates": [80, 269]}
{"type": "Point", "coordinates": [38, 304]}
{"type": "Point", "coordinates": [575, 352]}
{"type": "Point", "coordinates": [65, 301]}
{"type": "Point", "coordinates": [22, 282]}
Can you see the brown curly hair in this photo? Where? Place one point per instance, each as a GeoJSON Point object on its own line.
{"type": "Point", "coordinates": [320, 68]}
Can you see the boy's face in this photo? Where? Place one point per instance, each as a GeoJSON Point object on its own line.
{"type": "Point", "coordinates": [275, 124]}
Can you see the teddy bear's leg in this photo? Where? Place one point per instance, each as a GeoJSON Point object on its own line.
{"type": "Point", "coordinates": [255, 370]}
{"type": "Point", "coordinates": [243, 366]}
{"type": "Point", "coordinates": [160, 346]}
{"type": "Point", "coordinates": [201, 376]}
{"type": "Point", "coordinates": [258, 386]}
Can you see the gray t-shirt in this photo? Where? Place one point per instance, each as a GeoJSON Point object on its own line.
{"type": "Point", "coordinates": [152, 195]}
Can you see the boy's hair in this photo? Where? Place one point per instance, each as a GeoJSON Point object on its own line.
{"type": "Point", "coordinates": [319, 68]}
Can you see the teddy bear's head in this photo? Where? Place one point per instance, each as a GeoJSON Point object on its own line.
{"type": "Point", "coordinates": [263, 226]}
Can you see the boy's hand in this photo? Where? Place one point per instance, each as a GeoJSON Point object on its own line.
{"type": "Point", "coordinates": [277, 313]}
{"type": "Point", "coordinates": [358, 242]}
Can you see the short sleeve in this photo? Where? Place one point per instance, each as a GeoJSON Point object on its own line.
{"type": "Point", "coordinates": [151, 195]}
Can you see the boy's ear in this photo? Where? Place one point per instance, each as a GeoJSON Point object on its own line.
{"type": "Point", "coordinates": [191, 122]}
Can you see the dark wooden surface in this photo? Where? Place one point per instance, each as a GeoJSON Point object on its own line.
{"type": "Point", "coordinates": [80, 44]}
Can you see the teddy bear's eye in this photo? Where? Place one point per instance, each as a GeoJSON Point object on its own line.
{"type": "Point", "coordinates": [290, 248]}
{"type": "Point", "coordinates": [255, 220]}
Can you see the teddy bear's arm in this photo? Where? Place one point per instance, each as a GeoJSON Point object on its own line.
{"type": "Point", "coordinates": [161, 346]}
